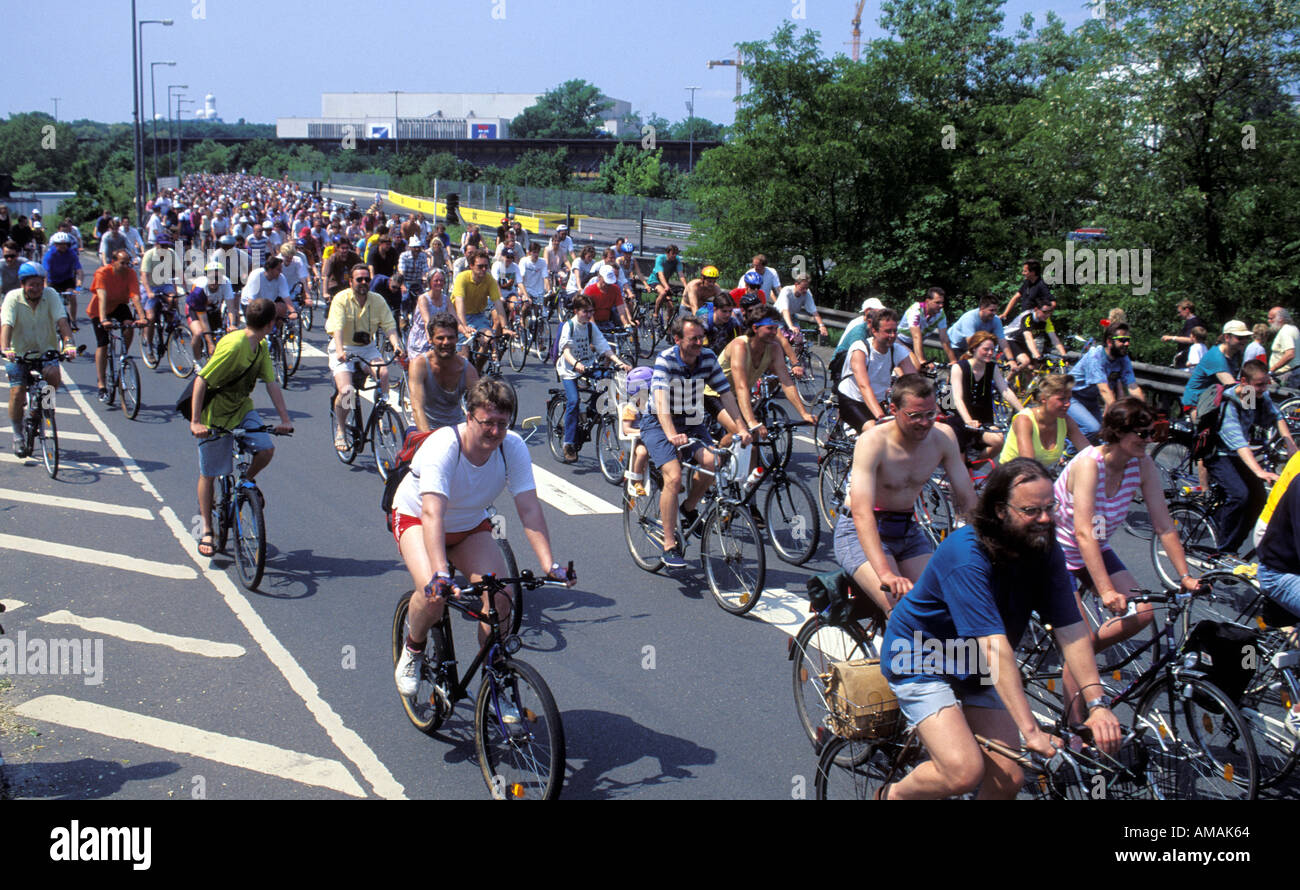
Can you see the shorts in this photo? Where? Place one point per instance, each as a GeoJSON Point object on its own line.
{"type": "Point", "coordinates": [15, 370]}
{"type": "Point", "coordinates": [152, 303]}
{"type": "Point", "coordinates": [64, 286]}
{"type": "Point", "coordinates": [853, 412]}
{"type": "Point", "coordinates": [663, 452]}
{"type": "Point", "coordinates": [217, 456]}
{"type": "Point", "coordinates": [1019, 347]}
{"type": "Point", "coordinates": [403, 521]}
{"type": "Point", "coordinates": [1282, 588]}
{"type": "Point", "coordinates": [1112, 562]}
{"type": "Point", "coordinates": [479, 321]}
{"type": "Point", "coordinates": [121, 313]}
{"type": "Point", "coordinates": [922, 697]}
{"type": "Point", "coordinates": [369, 352]}
{"type": "Point", "coordinates": [848, 549]}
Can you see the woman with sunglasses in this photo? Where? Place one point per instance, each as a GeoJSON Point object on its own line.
{"type": "Point", "coordinates": [1094, 495]}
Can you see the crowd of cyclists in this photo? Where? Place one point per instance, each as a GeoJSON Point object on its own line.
{"type": "Point", "coordinates": [1072, 450]}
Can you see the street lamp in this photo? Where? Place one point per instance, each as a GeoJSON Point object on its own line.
{"type": "Point", "coordinates": [170, 87]}
{"type": "Point", "coordinates": [179, 133]}
{"type": "Point", "coordinates": [690, 108]}
{"type": "Point", "coordinates": [153, 114]}
{"type": "Point", "coordinates": [55, 100]}
{"type": "Point", "coordinates": [137, 83]}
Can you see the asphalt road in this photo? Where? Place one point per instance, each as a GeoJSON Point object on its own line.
{"type": "Point", "coordinates": [205, 689]}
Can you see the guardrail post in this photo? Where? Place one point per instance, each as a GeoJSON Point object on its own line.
{"type": "Point", "coordinates": [642, 241]}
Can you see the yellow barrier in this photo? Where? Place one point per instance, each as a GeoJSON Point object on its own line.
{"type": "Point", "coordinates": [532, 222]}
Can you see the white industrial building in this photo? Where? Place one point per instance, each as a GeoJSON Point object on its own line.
{"type": "Point", "coordinates": [423, 116]}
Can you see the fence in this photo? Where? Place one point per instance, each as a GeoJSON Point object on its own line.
{"type": "Point", "coordinates": [353, 180]}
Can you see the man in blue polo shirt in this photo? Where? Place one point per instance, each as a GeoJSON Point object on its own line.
{"type": "Point", "coordinates": [1219, 365]}
{"type": "Point", "coordinates": [1098, 377]}
{"type": "Point", "coordinates": [985, 318]}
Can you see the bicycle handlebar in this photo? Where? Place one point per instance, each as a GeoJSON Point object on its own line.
{"type": "Point", "coordinates": [216, 432]}
{"type": "Point", "coordinates": [47, 355]}
{"type": "Point", "coordinates": [526, 579]}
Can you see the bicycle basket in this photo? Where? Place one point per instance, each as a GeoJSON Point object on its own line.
{"type": "Point", "coordinates": [862, 704]}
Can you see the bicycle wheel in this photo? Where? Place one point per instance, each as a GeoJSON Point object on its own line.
{"type": "Point", "coordinates": [518, 734]}
{"type": "Point", "coordinates": [250, 538]}
{"type": "Point", "coordinates": [517, 348]}
{"type": "Point", "coordinates": [179, 353]}
{"type": "Point", "coordinates": [649, 334]}
{"type": "Point", "coordinates": [780, 446]}
{"type": "Point", "coordinates": [934, 511]}
{"type": "Point", "coordinates": [791, 515]}
{"type": "Point", "coordinates": [828, 424]}
{"type": "Point", "coordinates": [221, 514]}
{"type": "Point", "coordinates": [386, 438]}
{"type": "Point", "coordinates": [541, 337]}
{"type": "Point", "coordinates": [641, 526]}
{"type": "Point", "coordinates": [734, 562]}
{"type": "Point", "coordinates": [149, 347]}
{"type": "Point", "coordinates": [429, 706]}
{"type": "Point", "coordinates": [349, 454]}
{"type": "Point", "coordinates": [812, 383]}
{"type": "Point", "coordinates": [609, 450]}
{"type": "Point", "coordinates": [278, 362]}
{"type": "Point", "coordinates": [307, 310]}
{"type": "Point", "coordinates": [555, 426]}
{"type": "Point", "coordinates": [49, 435]}
{"type": "Point", "coordinates": [1208, 748]}
{"type": "Point", "coordinates": [292, 346]}
{"type": "Point", "coordinates": [130, 385]}
{"type": "Point", "coordinates": [111, 374]}
{"type": "Point", "coordinates": [833, 470]}
{"type": "Point", "coordinates": [815, 648]}
{"type": "Point", "coordinates": [1174, 462]}
{"type": "Point", "coordinates": [853, 770]}
{"type": "Point", "coordinates": [1198, 535]}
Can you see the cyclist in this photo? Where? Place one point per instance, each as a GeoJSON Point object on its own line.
{"type": "Point", "coordinates": [204, 304]}
{"type": "Point", "coordinates": [440, 515]}
{"type": "Point", "coordinates": [238, 262]}
{"type": "Point", "coordinates": [581, 344]}
{"type": "Point", "coordinates": [977, 593]}
{"type": "Point", "coordinates": [751, 285]}
{"type": "Point", "coordinates": [1032, 289]}
{"type": "Point", "coordinates": [355, 322]}
{"type": "Point", "coordinates": [985, 318]}
{"type": "Point", "coordinates": [793, 300]}
{"type": "Point", "coordinates": [675, 415]}
{"type": "Point", "coordinates": [63, 271]}
{"type": "Point", "coordinates": [439, 377]}
{"type": "Point", "coordinates": [238, 362]}
{"type": "Point", "coordinates": [432, 301]}
{"type": "Point", "coordinates": [159, 272]}
{"type": "Point", "coordinates": [112, 288]}
{"type": "Point", "coordinates": [1041, 429]}
{"type": "Point", "coordinates": [268, 281]}
{"type": "Point", "coordinates": [1221, 364]}
{"type": "Point", "coordinates": [974, 379]}
{"type": "Point", "coordinates": [1281, 357]}
{"type": "Point", "coordinates": [921, 318]}
{"type": "Point", "coordinates": [473, 292]}
{"type": "Point", "coordinates": [532, 275]}
{"type": "Point", "coordinates": [877, 540]}
{"type": "Point", "coordinates": [112, 241]}
{"type": "Point", "coordinates": [295, 269]}
{"type": "Point", "coordinates": [667, 264]}
{"type": "Point", "coordinates": [506, 272]}
{"type": "Point", "coordinates": [868, 371]}
{"type": "Point", "coordinates": [700, 291]}
{"type": "Point", "coordinates": [339, 258]}
{"type": "Point", "coordinates": [557, 259]}
{"type": "Point", "coordinates": [1099, 375]}
{"type": "Point", "coordinates": [607, 298]}
{"type": "Point", "coordinates": [768, 280]}
{"type": "Point", "coordinates": [13, 261]}
{"type": "Point", "coordinates": [31, 320]}
{"type": "Point", "coordinates": [1029, 334]}
{"type": "Point", "coordinates": [1257, 348]}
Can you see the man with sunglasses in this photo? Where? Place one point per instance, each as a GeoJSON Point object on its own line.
{"type": "Point", "coordinates": [1100, 374]}
{"type": "Point", "coordinates": [356, 320]}
{"type": "Point", "coordinates": [473, 293]}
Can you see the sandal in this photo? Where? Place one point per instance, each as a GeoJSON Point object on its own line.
{"type": "Point", "coordinates": [207, 541]}
{"type": "Point", "coordinates": [340, 443]}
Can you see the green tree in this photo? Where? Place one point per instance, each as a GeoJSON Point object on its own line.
{"type": "Point", "coordinates": [631, 170]}
{"type": "Point", "coordinates": [570, 111]}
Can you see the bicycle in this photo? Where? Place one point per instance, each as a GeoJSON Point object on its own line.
{"type": "Point", "coordinates": [812, 383]}
{"type": "Point", "coordinates": [1195, 721]}
{"type": "Point", "coordinates": [384, 428]}
{"type": "Point", "coordinates": [540, 330]}
{"type": "Point", "coordinates": [38, 424]}
{"type": "Point", "coordinates": [304, 297]}
{"type": "Point", "coordinates": [65, 294]}
{"type": "Point", "coordinates": [519, 334]}
{"type": "Point", "coordinates": [731, 547]}
{"type": "Point", "coordinates": [237, 505]}
{"type": "Point", "coordinates": [591, 417]}
{"type": "Point", "coordinates": [173, 340]}
{"type": "Point", "coordinates": [654, 325]}
{"type": "Point", "coordinates": [624, 343]}
{"type": "Point", "coordinates": [285, 345]}
{"type": "Point", "coordinates": [120, 373]}
{"type": "Point", "coordinates": [789, 509]}
{"type": "Point", "coordinates": [485, 353]}
{"type": "Point", "coordinates": [518, 734]}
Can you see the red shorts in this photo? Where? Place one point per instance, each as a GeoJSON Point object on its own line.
{"type": "Point", "coordinates": [402, 522]}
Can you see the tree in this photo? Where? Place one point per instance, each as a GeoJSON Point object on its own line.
{"type": "Point", "coordinates": [631, 170]}
{"type": "Point", "coordinates": [541, 169]}
{"type": "Point", "coordinates": [570, 111]}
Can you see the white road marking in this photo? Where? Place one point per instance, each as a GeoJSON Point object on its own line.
{"type": "Point", "coordinates": [136, 633]}
{"type": "Point", "coordinates": [49, 500]}
{"type": "Point", "coordinates": [79, 437]}
{"type": "Point", "coordinates": [190, 740]}
{"type": "Point", "coordinates": [85, 466]}
{"type": "Point", "coordinates": [101, 558]}
{"type": "Point", "coordinates": [808, 439]}
{"type": "Point", "coordinates": [569, 498]}
{"type": "Point", "coordinates": [10, 605]}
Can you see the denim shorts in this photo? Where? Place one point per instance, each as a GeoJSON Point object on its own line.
{"type": "Point", "coordinates": [217, 456]}
{"type": "Point", "coordinates": [848, 549]}
{"type": "Point", "coordinates": [1280, 587]}
{"type": "Point", "coordinates": [921, 697]}
{"type": "Point", "coordinates": [15, 372]}
{"type": "Point", "coordinates": [663, 452]}
{"type": "Point", "coordinates": [479, 321]}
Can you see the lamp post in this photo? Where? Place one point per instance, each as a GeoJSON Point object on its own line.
{"type": "Point", "coordinates": [153, 113]}
{"type": "Point", "coordinates": [180, 100]}
{"type": "Point", "coordinates": [170, 87]}
{"type": "Point", "coordinates": [690, 109]}
{"type": "Point", "coordinates": [137, 80]}
{"type": "Point", "coordinates": [55, 100]}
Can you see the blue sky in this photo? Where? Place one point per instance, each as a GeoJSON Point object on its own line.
{"type": "Point", "coordinates": [272, 58]}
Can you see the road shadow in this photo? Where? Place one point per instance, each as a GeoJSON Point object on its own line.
{"type": "Point", "coordinates": [297, 574]}
{"type": "Point", "coordinates": [84, 779]}
{"type": "Point", "coordinates": [541, 629]}
{"type": "Point", "coordinates": [590, 734]}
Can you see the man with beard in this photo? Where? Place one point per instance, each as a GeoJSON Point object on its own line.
{"type": "Point", "coordinates": [1100, 373]}
{"type": "Point", "coordinates": [974, 598]}
{"type": "Point", "coordinates": [1281, 358]}
{"type": "Point", "coordinates": [877, 539]}
{"type": "Point", "coordinates": [440, 377]}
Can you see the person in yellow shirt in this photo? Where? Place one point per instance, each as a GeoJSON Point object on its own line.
{"type": "Point", "coordinates": [1279, 488]}
{"type": "Point", "coordinates": [473, 295]}
{"type": "Point", "coordinates": [355, 322]}
{"type": "Point", "coordinates": [31, 320]}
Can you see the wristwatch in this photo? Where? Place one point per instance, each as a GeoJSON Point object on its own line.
{"type": "Point", "coordinates": [1095, 703]}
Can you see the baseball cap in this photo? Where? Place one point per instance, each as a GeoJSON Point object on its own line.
{"type": "Point", "coordinates": [871, 303]}
{"type": "Point", "coordinates": [1236, 329]}
{"type": "Point", "coordinates": [561, 228]}
{"type": "Point", "coordinates": [609, 276]}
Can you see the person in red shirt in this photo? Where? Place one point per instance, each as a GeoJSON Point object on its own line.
{"type": "Point", "coordinates": [113, 287]}
{"type": "Point", "coordinates": [753, 285]}
{"type": "Point", "coordinates": [608, 300]}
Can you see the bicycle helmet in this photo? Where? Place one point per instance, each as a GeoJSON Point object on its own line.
{"type": "Point", "coordinates": [638, 379]}
{"type": "Point", "coordinates": [227, 241]}
{"type": "Point", "coordinates": [30, 270]}
{"type": "Point", "coordinates": [61, 238]}
{"type": "Point", "coordinates": [750, 300]}
{"type": "Point", "coordinates": [709, 272]}
{"type": "Point", "coordinates": [163, 240]}
{"type": "Point", "coordinates": [628, 247]}
{"type": "Point", "coordinates": [753, 278]}
{"type": "Point", "coordinates": [214, 266]}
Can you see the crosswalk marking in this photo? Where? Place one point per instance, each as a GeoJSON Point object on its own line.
{"type": "Point", "coordinates": [569, 498]}
{"type": "Point", "coordinates": [49, 500]}
{"type": "Point", "coordinates": [102, 558]}
{"type": "Point", "coordinates": [135, 633]}
{"type": "Point", "coordinates": [179, 738]}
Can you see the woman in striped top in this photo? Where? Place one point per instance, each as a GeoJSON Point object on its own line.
{"type": "Point", "coordinates": [1093, 497]}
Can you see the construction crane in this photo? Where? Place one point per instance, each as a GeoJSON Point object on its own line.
{"type": "Point", "coordinates": [738, 63]}
{"type": "Point", "coordinates": [857, 28]}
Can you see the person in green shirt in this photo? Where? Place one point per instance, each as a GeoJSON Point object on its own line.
{"type": "Point", "coordinates": [239, 361]}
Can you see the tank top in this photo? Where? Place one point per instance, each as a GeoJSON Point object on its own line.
{"type": "Point", "coordinates": [1113, 509]}
{"type": "Point", "coordinates": [442, 407]}
{"type": "Point", "coordinates": [1046, 457]}
{"type": "Point", "coordinates": [756, 370]}
{"type": "Point", "coordinates": [979, 393]}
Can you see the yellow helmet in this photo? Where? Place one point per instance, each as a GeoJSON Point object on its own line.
{"type": "Point", "coordinates": [709, 272]}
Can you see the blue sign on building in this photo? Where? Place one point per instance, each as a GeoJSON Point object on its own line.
{"type": "Point", "coordinates": [483, 131]}
{"type": "Point", "coordinates": [378, 131]}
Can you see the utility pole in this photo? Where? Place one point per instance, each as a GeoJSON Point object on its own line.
{"type": "Point", "coordinates": [690, 109]}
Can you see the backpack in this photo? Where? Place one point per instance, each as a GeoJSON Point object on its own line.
{"type": "Point", "coordinates": [553, 355]}
{"type": "Point", "coordinates": [1209, 418]}
{"type": "Point", "coordinates": [410, 446]}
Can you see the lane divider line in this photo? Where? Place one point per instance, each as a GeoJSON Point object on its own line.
{"type": "Point", "coordinates": [136, 633]}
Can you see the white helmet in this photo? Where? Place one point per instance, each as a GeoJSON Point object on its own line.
{"type": "Point", "coordinates": [61, 238]}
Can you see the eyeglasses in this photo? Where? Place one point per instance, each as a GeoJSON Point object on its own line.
{"type": "Point", "coordinates": [1146, 434]}
{"type": "Point", "coordinates": [1121, 339]}
{"type": "Point", "coordinates": [491, 425]}
{"type": "Point", "coordinates": [361, 280]}
{"type": "Point", "coordinates": [918, 416]}
{"type": "Point", "coordinates": [1049, 509]}
{"type": "Point", "coordinates": [11, 256]}
{"type": "Point", "coordinates": [479, 267]}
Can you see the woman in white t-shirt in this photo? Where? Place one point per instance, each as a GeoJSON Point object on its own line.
{"type": "Point", "coordinates": [440, 514]}
{"type": "Point", "coordinates": [868, 371]}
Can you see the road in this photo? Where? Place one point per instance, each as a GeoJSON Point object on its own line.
{"type": "Point", "coordinates": [205, 689]}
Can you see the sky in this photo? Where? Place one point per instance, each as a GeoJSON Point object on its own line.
{"type": "Point", "coordinates": [264, 59]}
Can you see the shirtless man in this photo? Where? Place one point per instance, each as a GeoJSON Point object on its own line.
{"type": "Point", "coordinates": [700, 291]}
{"type": "Point", "coordinates": [877, 539]}
{"type": "Point", "coordinates": [440, 377]}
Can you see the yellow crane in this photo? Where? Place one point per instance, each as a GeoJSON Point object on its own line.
{"type": "Point", "coordinates": [857, 28]}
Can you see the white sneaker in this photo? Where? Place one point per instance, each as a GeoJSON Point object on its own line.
{"type": "Point", "coordinates": [407, 672]}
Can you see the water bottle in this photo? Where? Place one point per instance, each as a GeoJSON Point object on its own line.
{"type": "Point", "coordinates": [752, 482]}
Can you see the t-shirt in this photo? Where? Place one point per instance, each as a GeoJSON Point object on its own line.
{"type": "Point", "coordinates": [1285, 340]}
{"type": "Point", "coordinates": [474, 297]}
{"type": "Point", "coordinates": [510, 273]}
{"type": "Point", "coordinates": [771, 281]}
{"type": "Point", "coordinates": [440, 467]}
{"type": "Point", "coordinates": [259, 285]}
{"type": "Point", "coordinates": [200, 299]}
{"type": "Point", "coordinates": [1034, 294]}
{"type": "Point", "coordinates": [117, 287]}
{"type": "Point", "coordinates": [880, 369]}
{"type": "Point", "coordinates": [788, 299]}
{"type": "Point", "coordinates": [1253, 351]}
{"type": "Point", "coordinates": [684, 385]}
{"type": "Point", "coordinates": [916, 317]}
{"type": "Point", "coordinates": [607, 298]}
{"type": "Point", "coordinates": [1202, 375]}
{"type": "Point", "coordinates": [669, 268]}
{"type": "Point", "coordinates": [960, 597]}
{"type": "Point", "coordinates": [1098, 367]}
{"type": "Point", "coordinates": [60, 267]}
{"type": "Point", "coordinates": [294, 271]}
{"type": "Point", "coordinates": [970, 322]}
{"type": "Point", "coordinates": [738, 294]}
{"type": "Point", "coordinates": [1026, 324]}
{"type": "Point", "coordinates": [1197, 352]}
{"type": "Point", "coordinates": [34, 329]}
{"type": "Point", "coordinates": [586, 342]}
{"type": "Point", "coordinates": [159, 268]}
{"type": "Point", "coordinates": [224, 371]}
{"type": "Point", "coordinates": [533, 274]}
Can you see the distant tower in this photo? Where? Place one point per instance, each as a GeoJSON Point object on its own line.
{"type": "Point", "coordinates": [210, 107]}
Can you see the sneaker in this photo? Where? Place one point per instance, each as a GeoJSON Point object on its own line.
{"type": "Point", "coordinates": [570, 453]}
{"type": "Point", "coordinates": [20, 447]}
{"type": "Point", "coordinates": [103, 394]}
{"type": "Point", "coordinates": [407, 672]}
{"type": "Point", "coordinates": [673, 558]}
{"type": "Point", "coordinates": [1293, 722]}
